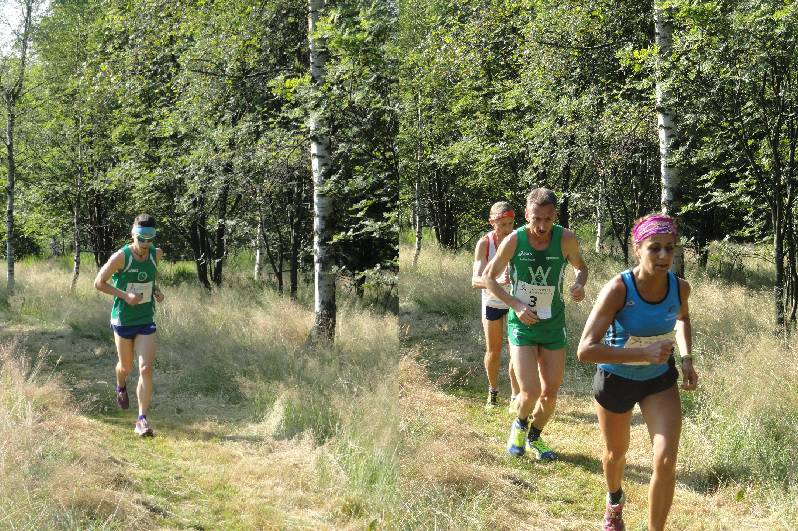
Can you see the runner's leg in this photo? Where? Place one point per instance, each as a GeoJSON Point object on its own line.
{"type": "Point", "coordinates": [551, 367]}
{"type": "Point", "coordinates": [663, 414]}
{"type": "Point", "coordinates": [494, 334]}
{"type": "Point", "coordinates": [524, 361]}
{"type": "Point", "coordinates": [124, 352]}
{"type": "Point", "coordinates": [145, 348]}
{"type": "Point", "coordinates": [615, 431]}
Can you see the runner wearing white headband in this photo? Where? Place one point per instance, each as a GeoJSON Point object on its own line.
{"type": "Point", "coordinates": [133, 269]}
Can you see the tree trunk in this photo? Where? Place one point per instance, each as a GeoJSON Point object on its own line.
{"type": "Point", "coordinates": [198, 239]}
{"type": "Point", "coordinates": [220, 247]}
{"type": "Point", "coordinates": [276, 263]}
{"type": "Point", "coordinates": [11, 168]}
{"type": "Point", "coordinates": [259, 247]}
{"type": "Point", "coordinates": [666, 126]}
{"type": "Point", "coordinates": [417, 190]}
{"type": "Point", "coordinates": [296, 236]}
{"type": "Point", "coordinates": [778, 256]}
{"type": "Point", "coordinates": [599, 219]}
{"type": "Point", "coordinates": [324, 296]}
{"type": "Point", "coordinates": [76, 209]}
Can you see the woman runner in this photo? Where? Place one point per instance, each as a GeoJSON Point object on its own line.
{"type": "Point", "coordinates": [630, 334]}
{"type": "Point", "coordinates": [494, 311]}
{"type": "Point", "coordinates": [133, 270]}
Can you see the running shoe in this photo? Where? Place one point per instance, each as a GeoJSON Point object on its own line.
{"type": "Point", "coordinates": [513, 407]}
{"type": "Point", "coordinates": [540, 449]}
{"type": "Point", "coordinates": [493, 399]}
{"type": "Point", "coordinates": [613, 516]}
{"type": "Point", "coordinates": [122, 399]}
{"type": "Point", "coordinates": [143, 428]}
{"type": "Point", "coordinates": [515, 443]}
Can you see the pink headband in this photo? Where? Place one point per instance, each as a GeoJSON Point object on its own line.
{"type": "Point", "coordinates": [507, 214]}
{"type": "Point", "coordinates": [657, 224]}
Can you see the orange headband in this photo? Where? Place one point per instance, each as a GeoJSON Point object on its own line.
{"type": "Point", "coordinates": [506, 214]}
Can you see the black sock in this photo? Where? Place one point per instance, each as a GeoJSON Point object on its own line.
{"type": "Point", "coordinates": [615, 497]}
{"type": "Point", "coordinates": [534, 433]}
{"type": "Point", "coordinates": [524, 423]}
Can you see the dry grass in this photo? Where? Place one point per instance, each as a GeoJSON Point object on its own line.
{"type": "Point", "coordinates": [53, 469]}
{"type": "Point", "coordinates": [256, 428]}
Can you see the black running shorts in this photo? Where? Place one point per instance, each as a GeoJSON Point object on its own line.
{"type": "Point", "coordinates": [619, 395]}
{"type": "Point", "coordinates": [494, 314]}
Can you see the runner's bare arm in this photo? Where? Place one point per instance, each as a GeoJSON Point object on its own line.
{"type": "Point", "coordinates": [573, 254]}
{"type": "Point", "coordinates": [480, 261]}
{"type": "Point", "coordinates": [684, 338]}
{"type": "Point", "coordinates": [114, 264]}
{"type": "Point", "coordinates": [494, 268]}
{"type": "Point", "coordinates": [592, 347]}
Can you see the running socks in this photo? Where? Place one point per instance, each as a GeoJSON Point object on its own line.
{"type": "Point", "coordinates": [534, 433]}
{"type": "Point", "coordinates": [142, 417]}
{"type": "Point", "coordinates": [523, 423]}
{"type": "Point", "coordinates": [615, 497]}
{"type": "Point", "coordinates": [121, 389]}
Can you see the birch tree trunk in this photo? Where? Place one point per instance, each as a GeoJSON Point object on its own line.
{"type": "Point", "coordinates": [259, 246]}
{"type": "Point", "coordinates": [10, 198]}
{"type": "Point", "coordinates": [11, 94]}
{"type": "Point", "coordinates": [666, 125]}
{"type": "Point", "coordinates": [324, 277]}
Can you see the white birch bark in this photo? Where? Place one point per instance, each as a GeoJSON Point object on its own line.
{"type": "Point", "coordinates": [417, 191]}
{"type": "Point", "coordinates": [666, 125]}
{"type": "Point", "coordinates": [259, 247]}
{"type": "Point", "coordinates": [599, 219]}
{"type": "Point", "coordinates": [324, 276]}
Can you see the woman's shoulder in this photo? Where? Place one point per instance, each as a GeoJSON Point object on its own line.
{"type": "Point", "coordinates": [684, 287]}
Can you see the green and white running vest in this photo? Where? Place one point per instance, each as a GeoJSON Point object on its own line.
{"type": "Point", "coordinates": [537, 278]}
{"type": "Point", "coordinates": [135, 277]}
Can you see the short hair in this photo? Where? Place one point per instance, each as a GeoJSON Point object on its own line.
{"type": "Point", "coordinates": [500, 208]}
{"type": "Point", "coordinates": [542, 197]}
{"type": "Point", "coordinates": [144, 220]}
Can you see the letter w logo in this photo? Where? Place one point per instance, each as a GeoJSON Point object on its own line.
{"type": "Point", "coordinates": [540, 277]}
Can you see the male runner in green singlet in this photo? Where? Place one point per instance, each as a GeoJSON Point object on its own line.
{"type": "Point", "coordinates": [133, 270]}
{"type": "Point", "coordinates": [537, 254]}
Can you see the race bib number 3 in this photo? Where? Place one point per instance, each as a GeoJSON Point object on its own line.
{"type": "Point", "coordinates": [644, 341]}
{"type": "Point", "coordinates": [536, 297]}
{"type": "Point", "coordinates": [143, 288]}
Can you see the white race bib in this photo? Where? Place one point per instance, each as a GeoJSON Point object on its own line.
{"type": "Point", "coordinates": [143, 288]}
{"type": "Point", "coordinates": [536, 297]}
{"type": "Point", "coordinates": [644, 341]}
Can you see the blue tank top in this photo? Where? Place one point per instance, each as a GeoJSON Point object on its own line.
{"type": "Point", "coordinates": [641, 318]}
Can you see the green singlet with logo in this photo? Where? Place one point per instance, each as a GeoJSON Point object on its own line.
{"type": "Point", "coordinates": [537, 278]}
{"type": "Point", "coordinates": [136, 277]}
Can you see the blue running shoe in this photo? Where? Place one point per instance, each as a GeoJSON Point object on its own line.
{"type": "Point", "coordinates": [516, 443]}
{"type": "Point", "coordinates": [541, 450]}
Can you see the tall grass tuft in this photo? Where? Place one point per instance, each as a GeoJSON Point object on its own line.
{"type": "Point", "coordinates": [51, 474]}
{"type": "Point", "coordinates": [440, 283]}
